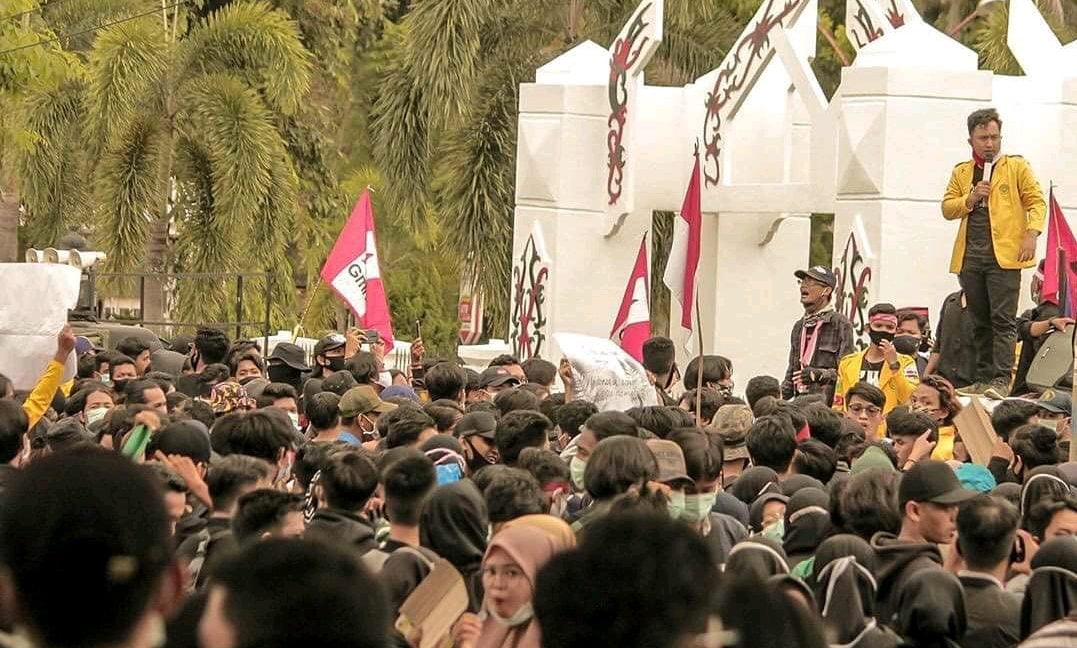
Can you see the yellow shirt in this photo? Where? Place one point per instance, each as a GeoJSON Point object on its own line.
{"type": "Point", "coordinates": [944, 447]}
{"type": "Point", "coordinates": [40, 398]}
{"type": "Point", "coordinates": [897, 386]}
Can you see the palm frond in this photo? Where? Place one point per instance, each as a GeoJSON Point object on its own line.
{"type": "Point", "coordinates": [258, 40]}
{"type": "Point", "coordinates": [697, 34]}
{"type": "Point", "coordinates": [443, 52]}
{"type": "Point", "coordinates": [127, 191]}
{"type": "Point", "coordinates": [267, 239]}
{"type": "Point", "coordinates": [990, 41]}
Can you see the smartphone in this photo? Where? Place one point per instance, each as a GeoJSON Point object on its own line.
{"type": "Point", "coordinates": [418, 330]}
{"type": "Point", "coordinates": [372, 336]}
{"type": "Point", "coordinates": [1018, 553]}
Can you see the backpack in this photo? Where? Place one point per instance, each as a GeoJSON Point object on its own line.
{"type": "Point", "coordinates": [206, 541]}
{"type": "Point", "coordinates": [374, 560]}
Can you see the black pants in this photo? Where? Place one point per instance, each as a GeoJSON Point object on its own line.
{"type": "Point", "coordinates": [991, 293]}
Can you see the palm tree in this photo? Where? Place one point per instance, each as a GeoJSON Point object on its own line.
{"type": "Point", "coordinates": [174, 127]}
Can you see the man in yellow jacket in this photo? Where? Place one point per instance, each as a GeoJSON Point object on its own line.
{"type": "Point", "coordinates": [879, 365]}
{"type": "Point", "coordinates": [1001, 208]}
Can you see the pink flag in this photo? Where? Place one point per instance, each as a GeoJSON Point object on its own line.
{"type": "Point", "coordinates": [680, 273]}
{"type": "Point", "coordinates": [633, 324]}
{"type": "Point", "coordinates": [1061, 246]}
{"type": "Point", "coordinates": [352, 271]}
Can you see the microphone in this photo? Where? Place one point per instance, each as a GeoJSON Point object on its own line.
{"type": "Point", "coordinates": [989, 160]}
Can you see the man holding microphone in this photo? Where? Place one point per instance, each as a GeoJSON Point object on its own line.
{"type": "Point", "coordinates": [1001, 208]}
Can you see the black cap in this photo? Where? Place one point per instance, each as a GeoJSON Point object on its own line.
{"type": "Point", "coordinates": [328, 343]}
{"type": "Point", "coordinates": [339, 382]}
{"type": "Point", "coordinates": [291, 355]}
{"type": "Point", "coordinates": [496, 377]}
{"type": "Point", "coordinates": [481, 423]}
{"type": "Point", "coordinates": [932, 481]}
{"type": "Point", "coordinates": [822, 274]}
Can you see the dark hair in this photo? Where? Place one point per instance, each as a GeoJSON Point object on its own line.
{"type": "Point", "coordinates": [135, 391]}
{"type": "Point", "coordinates": [444, 417]}
{"type": "Point", "coordinates": [869, 503]}
{"type": "Point", "coordinates": [715, 368]}
{"type": "Point", "coordinates": [221, 431]}
{"type": "Point", "coordinates": [983, 117]}
{"type": "Point", "coordinates": [117, 360]}
{"type": "Point", "coordinates": [132, 346]}
{"type": "Point", "coordinates": [408, 481]}
{"type": "Point", "coordinates": [882, 308]}
{"type": "Point", "coordinates": [551, 405]}
{"type": "Point", "coordinates": [228, 477]}
{"type": "Point", "coordinates": [948, 401]}
{"type": "Point", "coordinates": [515, 399]}
{"type": "Point", "coordinates": [198, 410]}
{"type": "Point", "coordinates": [905, 423]}
{"type": "Point", "coordinates": [574, 414]}
{"type": "Point", "coordinates": [445, 380]}
{"type": "Point", "coordinates": [703, 452]}
{"type": "Point", "coordinates": [816, 459]}
{"type": "Point", "coordinates": [986, 527]}
{"type": "Point", "coordinates": [642, 580]}
{"type": "Point", "coordinates": [323, 410]}
{"type": "Point", "coordinates": [910, 315]}
{"type": "Point", "coordinates": [348, 479]}
{"type": "Point", "coordinates": [1037, 445]}
{"type": "Point", "coordinates": [211, 344]}
{"type": "Point", "coordinates": [406, 426]}
{"type": "Point", "coordinates": [659, 355]}
{"type": "Point", "coordinates": [67, 519]}
{"type": "Point", "coordinates": [275, 391]}
{"type": "Point", "coordinates": [262, 433]}
{"type": "Point", "coordinates": [760, 386]}
{"type": "Point", "coordinates": [787, 622]}
{"type": "Point", "coordinates": [537, 370]}
{"type": "Point", "coordinates": [868, 392]}
{"type": "Point", "coordinates": [504, 360]}
{"type": "Point", "coordinates": [544, 465]}
{"type": "Point", "coordinates": [87, 366]}
{"type": "Point", "coordinates": [607, 424]}
{"type": "Point", "coordinates": [824, 423]}
{"type": "Point", "coordinates": [161, 379]}
{"type": "Point", "coordinates": [13, 427]}
{"type": "Point", "coordinates": [1011, 414]}
{"type": "Point", "coordinates": [1043, 511]}
{"type": "Point", "coordinates": [181, 438]}
{"type": "Point", "coordinates": [660, 420]}
{"type": "Point", "coordinates": [311, 457]}
{"type": "Point", "coordinates": [363, 367]}
{"type": "Point", "coordinates": [513, 493]}
{"type": "Point", "coordinates": [250, 356]}
{"type": "Point", "coordinates": [321, 596]}
{"type": "Point", "coordinates": [618, 463]}
{"type": "Point", "coordinates": [519, 430]}
{"type": "Point", "coordinates": [710, 402]}
{"type": "Point", "coordinates": [772, 442]}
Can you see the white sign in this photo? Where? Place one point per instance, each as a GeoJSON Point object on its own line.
{"type": "Point", "coordinates": [605, 374]}
{"type": "Point", "coordinates": [33, 308]}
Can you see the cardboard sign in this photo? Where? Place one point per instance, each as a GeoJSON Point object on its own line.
{"type": "Point", "coordinates": [605, 374]}
{"type": "Point", "coordinates": [974, 426]}
{"type": "Point", "coordinates": [33, 308]}
{"type": "Point", "coordinates": [433, 607]}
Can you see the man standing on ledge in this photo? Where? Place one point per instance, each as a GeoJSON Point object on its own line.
{"type": "Point", "coordinates": [819, 339]}
{"type": "Point", "coordinates": [1001, 216]}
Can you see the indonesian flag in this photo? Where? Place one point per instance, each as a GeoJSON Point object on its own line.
{"type": "Point", "coordinates": [1059, 278]}
{"type": "Point", "coordinates": [680, 274]}
{"type": "Point", "coordinates": [352, 271]}
{"type": "Point", "coordinates": [633, 324]}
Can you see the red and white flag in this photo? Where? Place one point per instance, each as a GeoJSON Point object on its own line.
{"type": "Point", "coordinates": [1059, 278]}
{"type": "Point", "coordinates": [633, 324]}
{"type": "Point", "coordinates": [352, 271]}
{"type": "Point", "coordinates": [680, 274]}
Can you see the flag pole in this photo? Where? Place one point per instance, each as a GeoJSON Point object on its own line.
{"type": "Point", "coordinates": [303, 317]}
{"type": "Point", "coordinates": [699, 367]}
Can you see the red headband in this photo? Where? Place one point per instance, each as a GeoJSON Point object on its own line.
{"type": "Point", "coordinates": [884, 317]}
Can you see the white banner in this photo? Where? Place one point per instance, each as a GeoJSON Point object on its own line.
{"type": "Point", "coordinates": [605, 374]}
{"type": "Point", "coordinates": [34, 300]}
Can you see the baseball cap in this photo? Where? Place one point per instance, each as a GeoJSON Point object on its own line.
{"type": "Point", "coordinates": [821, 274]}
{"type": "Point", "coordinates": [82, 344]}
{"type": "Point", "coordinates": [481, 423]}
{"type": "Point", "coordinates": [732, 423]}
{"type": "Point", "coordinates": [932, 481]}
{"type": "Point", "coordinates": [291, 355]}
{"type": "Point", "coordinates": [328, 343]}
{"type": "Point", "coordinates": [670, 457]}
{"type": "Point", "coordinates": [339, 382]}
{"type": "Point", "coordinates": [363, 400]}
{"type": "Point", "coordinates": [1056, 402]}
{"type": "Point", "coordinates": [496, 377]}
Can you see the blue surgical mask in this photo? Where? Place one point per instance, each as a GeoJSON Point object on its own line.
{"type": "Point", "coordinates": [576, 468]}
{"type": "Point", "coordinates": [697, 507]}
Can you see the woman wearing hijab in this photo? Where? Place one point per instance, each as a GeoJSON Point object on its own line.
{"type": "Point", "coordinates": [757, 556]}
{"type": "Point", "coordinates": [931, 610]}
{"type": "Point", "coordinates": [844, 582]}
{"type": "Point", "coordinates": [454, 525]}
{"type": "Point", "coordinates": [807, 523]}
{"type": "Point", "coordinates": [754, 482]}
{"type": "Point", "coordinates": [512, 561]}
{"type": "Point", "coordinates": [1051, 593]}
{"type": "Point", "coordinates": [766, 516]}
{"type": "Point", "coordinates": [1041, 483]}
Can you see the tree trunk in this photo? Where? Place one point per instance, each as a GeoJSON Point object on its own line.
{"type": "Point", "coordinates": [9, 227]}
{"type": "Point", "coordinates": [157, 240]}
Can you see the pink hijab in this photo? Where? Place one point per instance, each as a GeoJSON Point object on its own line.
{"type": "Point", "coordinates": [530, 547]}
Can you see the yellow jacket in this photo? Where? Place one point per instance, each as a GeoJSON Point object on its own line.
{"type": "Point", "coordinates": [1016, 206]}
{"type": "Point", "coordinates": [897, 385]}
{"type": "Point", "coordinates": [40, 398]}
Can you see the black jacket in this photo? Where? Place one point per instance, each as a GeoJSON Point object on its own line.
{"type": "Point", "coordinates": [994, 615]}
{"type": "Point", "coordinates": [342, 527]}
{"type": "Point", "coordinates": [897, 561]}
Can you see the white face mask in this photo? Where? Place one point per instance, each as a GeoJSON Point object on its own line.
{"type": "Point", "coordinates": [385, 379]}
{"type": "Point", "coordinates": [523, 615]}
{"type": "Point", "coordinates": [95, 415]}
{"type": "Point", "coordinates": [295, 420]}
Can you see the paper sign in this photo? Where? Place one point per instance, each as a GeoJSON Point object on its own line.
{"type": "Point", "coordinates": [434, 606]}
{"type": "Point", "coordinates": [34, 302]}
{"type": "Point", "coordinates": [974, 427]}
{"type": "Point", "coordinates": [605, 374]}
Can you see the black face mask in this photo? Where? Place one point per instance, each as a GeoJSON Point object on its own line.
{"type": "Point", "coordinates": [283, 374]}
{"type": "Point", "coordinates": [476, 460]}
{"type": "Point", "coordinates": [120, 384]}
{"type": "Point", "coordinates": [906, 344]}
{"type": "Point", "coordinates": [335, 363]}
{"type": "Point", "coordinates": [879, 336]}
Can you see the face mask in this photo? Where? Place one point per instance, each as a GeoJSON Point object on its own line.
{"type": "Point", "coordinates": [676, 504]}
{"type": "Point", "coordinates": [1052, 425]}
{"type": "Point", "coordinates": [523, 615]}
{"type": "Point", "coordinates": [558, 505]}
{"type": "Point", "coordinates": [879, 336]}
{"type": "Point", "coordinates": [335, 363]}
{"type": "Point", "coordinates": [95, 415]}
{"type": "Point", "coordinates": [476, 461]}
{"type": "Point", "coordinates": [725, 390]}
{"type": "Point", "coordinates": [775, 531]}
{"type": "Point", "coordinates": [295, 419]}
{"type": "Point", "coordinates": [907, 344]}
{"type": "Point", "coordinates": [283, 374]}
{"type": "Point", "coordinates": [576, 467]}
{"type": "Point", "coordinates": [120, 384]}
{"type": "Point", "coordinates": [698, 507]}
{"type": "Point", "coordinates": [105, 378]}
{"type": "Point", "coordinates": [385, 379]}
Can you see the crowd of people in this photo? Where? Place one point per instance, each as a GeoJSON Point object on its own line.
{"type": "Point", "coordinates": [205, 492]}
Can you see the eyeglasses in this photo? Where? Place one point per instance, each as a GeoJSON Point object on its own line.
{"type": "Point", "coordinates": [870, 410]}
{"type": "Point", "coordinates": [509, 573]}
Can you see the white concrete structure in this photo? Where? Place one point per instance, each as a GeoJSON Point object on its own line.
{"type": "Point", "coordinates": [599, 151]}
